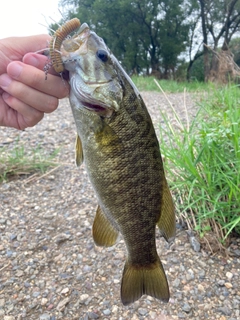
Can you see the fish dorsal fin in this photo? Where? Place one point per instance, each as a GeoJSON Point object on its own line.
{"type": "Point", "coordinates": [78, 151]}
{"type": "Point", "coordinates": [104, 233]}
{"type": "Point", "coordinates": [167, 221]}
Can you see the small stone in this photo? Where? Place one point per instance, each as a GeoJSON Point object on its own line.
{"type": "Point", "coordinates": [181, 315]}
{"type": "Point", "coordinates": [107, 312]}
{"type": "Point", "coordinates": [228, 285]}
{"type": "Point", "coordinates": [61, 238]}
{"type": "Point", "coordinates": [195, 244]}
{"type": "Point", "coordinates": [45, 316]}
{"type": "Point", "coordinates": [44, 301]}
{"type": "Point", "coordinates": [207, 306]}
{"type": "Point", "coordinates": [41, 284]}
{"type": "Point", "coordinates": [116, 281]}
{"type": "Point", "coordinates": [65, 290]}
{"type": "Point", "coordinates": [13, 237]}
{"type": "Point", "coordinates": [27, 284]}
{"type": "Point", "coordinates": [229, 275]}
{"type": "Point", "coordinates": [237, 252]}
{"type": "Point", "coordinates": [36, 294]}
{"type": "Point", "coordinates": [176, 283]}
{"type": "Point", "coordinates": [19, 273]}
{"type": "Point", "coordinates": [221, 283]}
{"type": "Point", "coordinates": [86, 268]}
{"type": "Point", "coordinates": [9, 253]}
{"type": "Point", "coordinates": [50, 307]}
{"type": "Point", "coordinates": [65, 276]}
{"type": "Point", "coordinates": [202, 274]}
{"type": "Point", "coordinates": [186, 308]}
{"type": "Point", "coordinates": [62, 304]}
{"type": "Point", "coordinates": [190, 275]}
{"type": "Point", "coordinates": [225, 310]}
{"type": "Point", "coordinates": [92, 315]}
{"type": "Point", "coordinates": [83, 298]}
{"type": "Point", "coordinates": [201, 287]}
{"type": "Point", "coordinates": [2, 303]}
{"type": "Point", "coordinates": [142, 311]}
{"type": "Point", "coordinates": [152, 314]}
{"type": "Point", "coordinates": [114, 309]}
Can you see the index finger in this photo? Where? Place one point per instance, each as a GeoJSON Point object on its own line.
{"type": "Point", "coordinates": [39, 61]}
{"type": "Point", "coordinates": [35, 78]}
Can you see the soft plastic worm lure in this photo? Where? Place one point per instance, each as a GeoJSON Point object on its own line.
{"type": "Point", "coordinates": [56, 42]}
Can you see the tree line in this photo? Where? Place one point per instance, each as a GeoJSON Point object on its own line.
{"type": "Point", "coordinates": [163, 38]}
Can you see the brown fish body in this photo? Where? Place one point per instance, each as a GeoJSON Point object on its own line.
{"type": "Point", "coordinates": [118, 144]}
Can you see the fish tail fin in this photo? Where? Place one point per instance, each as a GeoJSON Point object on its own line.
{"type": "Point", "coordinates": [147, 279]}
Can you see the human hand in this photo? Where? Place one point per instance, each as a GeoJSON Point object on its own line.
{"type": "Point", "coordinates": [25, 95]}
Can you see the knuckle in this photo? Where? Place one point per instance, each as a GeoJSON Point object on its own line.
{"type": "Point", "coordinates": [34, 79]}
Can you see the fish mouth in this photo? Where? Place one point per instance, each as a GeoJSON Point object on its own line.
{"type": "Point", "coordinates": [89, 102]}
{"type": "Point", "coordinates": [101, 111]}
{"type": "Point", "coordinates": [96, 106]}
{"type": "Point", "coordinates": [93, 107]}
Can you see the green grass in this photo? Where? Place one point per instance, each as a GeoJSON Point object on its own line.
{"type": "Point", "coordinates": [202, 159]}
{"type": "Point", "coordinates": [16, 162]}
{"type": "Point", "coordinates": [147, 84]}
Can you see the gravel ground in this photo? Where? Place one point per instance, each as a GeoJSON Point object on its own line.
{"type": "Point", "coordinates": [49, 266]}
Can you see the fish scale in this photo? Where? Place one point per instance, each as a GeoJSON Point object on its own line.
{"type": "Point", "coordinates": [117, 142]}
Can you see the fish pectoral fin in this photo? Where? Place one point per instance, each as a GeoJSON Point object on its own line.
{"type": "Point", "coordinates": [107, 138]}
{"type": "Point", "coordinates": [167, 220]}
{"type": "Point", "coordinates": [104, 233]}
{"type": "Point", "coordinates": [138, 280]}
{"type": "Point", "coordinates": [78, 151]}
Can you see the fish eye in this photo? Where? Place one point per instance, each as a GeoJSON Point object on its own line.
{"type": "Point", "coordinates": [102, 55]}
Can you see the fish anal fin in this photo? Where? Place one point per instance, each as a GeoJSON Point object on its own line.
{"type": "Point", "coordinates": [167, 220]}
{"type": "Point", "coordinates": [104, 233]}
{"type": "Point", "coordinates": [138, 280]}
{"type": "Point", "coordinates": [78, 151]}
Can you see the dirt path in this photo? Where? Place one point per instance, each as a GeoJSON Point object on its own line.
{"type": "Point", "coordinates": [49, 266]}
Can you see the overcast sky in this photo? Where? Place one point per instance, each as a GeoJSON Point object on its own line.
{"type": "Point", "coordinates": [23, 17]}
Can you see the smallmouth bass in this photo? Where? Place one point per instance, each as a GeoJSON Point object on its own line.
{"type": "Point", "coordinates": [117, 142]}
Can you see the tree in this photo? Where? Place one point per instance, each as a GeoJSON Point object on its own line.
{"type": "Point", "coordinates": [144, 35]}
{"type": "Point", "coordinates": [220, 21]}
{"type": "Point", "coordinates": [234, 46]}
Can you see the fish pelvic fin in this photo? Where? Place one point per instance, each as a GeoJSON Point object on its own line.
{"type": "Point", "coordinates": [104, 233]}
{"type": "Point", "coordinates": [78, 151]}
{"type": "Point", "coordinates": [167, 220]}
{"type": "Point", "coordinates": [147, 279]}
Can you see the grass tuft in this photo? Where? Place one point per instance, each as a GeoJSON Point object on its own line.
{"type": "Point", "coordinates": [202, 158]}
{"type": "Point", "coordinates": [18, 162]}
{"type": "Point", "coordinates": [147, 84]}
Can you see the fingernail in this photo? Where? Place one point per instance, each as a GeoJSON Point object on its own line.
{"type": "Point", "coordinates": [5, 81]}
{"type": "Point", "coordinates": [30, 59]}
{"type": "Point", "coordinates": [15, 69]}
